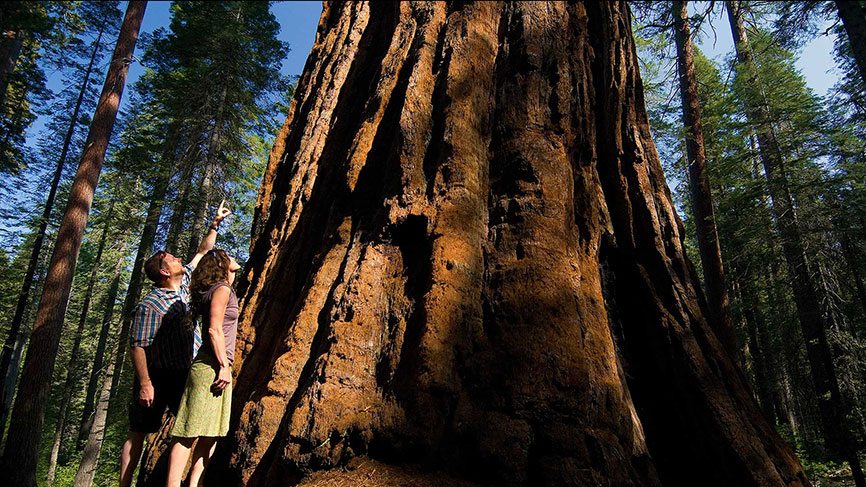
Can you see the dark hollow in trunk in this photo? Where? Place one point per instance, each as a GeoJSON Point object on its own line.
{"type": "Point", "coordinates": [466, 257]}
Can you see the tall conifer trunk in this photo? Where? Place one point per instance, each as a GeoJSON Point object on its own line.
{"type": "Point", "coordinates": [758, 350]}
{"type": "Point", "coordinates": [206, 190]}
{"type": "Point", "coordinates": [466, 257]}
{"type": "Point", "coordinates": [74, 359]}
{"type": "Point", "coordinates": [202, 201]}
{"type": "Point", "coordinates": [853, 17]}
{"type": "Point", "coordinates": [699, 182]}
{"type": "Point", "coordinates": [852, 259]}
{"type": "Point", "coordinates": [831, 406]}
{"type": "Point", "coordinates": [22, 445]}
{"type": "Point", "coordinates": [8, 355]}
{"type": "Point", "coordinates": [90, 459]}
{"type": "Point", "coordinates": [96, 369]}
{"type": "Point", "coordinates": [179, 211]}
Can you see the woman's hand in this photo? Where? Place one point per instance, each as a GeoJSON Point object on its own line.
{"type": "Point", "coordinates": [223, 379]}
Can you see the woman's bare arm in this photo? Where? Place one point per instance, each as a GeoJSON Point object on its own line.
{"type": "Point", "coordinates": [219, 302]}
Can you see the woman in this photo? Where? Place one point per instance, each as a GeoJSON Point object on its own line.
{"type": "Point", "coordinates": [206, 402]}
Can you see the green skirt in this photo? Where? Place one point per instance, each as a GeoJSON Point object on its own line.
{"type": "Point", "coordinates": [202, 412]}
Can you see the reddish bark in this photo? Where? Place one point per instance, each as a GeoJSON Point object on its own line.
{"type": "Point", "coordinates": [699, 183]}
{"type": "Point", "coordinates": [466, 257]}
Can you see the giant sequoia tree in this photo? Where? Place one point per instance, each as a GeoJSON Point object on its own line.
{"type": "Point", "coordinates": [465, 256]}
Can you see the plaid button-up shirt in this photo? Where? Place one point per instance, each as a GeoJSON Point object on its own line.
{"type": "Point", "coordinates": [158, 327]}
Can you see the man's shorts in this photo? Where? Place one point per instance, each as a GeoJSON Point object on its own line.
{"type": "Point", "coordinates": [167, 390]}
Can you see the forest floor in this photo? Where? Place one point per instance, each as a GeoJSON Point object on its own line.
{"type": "Point", "coordinates": [829, 475]}
{"type": "Point", "coordinates": [365, 472]}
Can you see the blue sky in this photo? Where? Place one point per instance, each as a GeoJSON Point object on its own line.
{"type": "Point", "coordinates": [815, 61]}
{"type": "Point", "coordinates": [298, 21]}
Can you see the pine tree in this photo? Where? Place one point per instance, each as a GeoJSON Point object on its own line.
{"type": "Point", "coordinates": [19, 456]}
{"type": "Point", "coordinates": [63, 127]}
{"type": "Point", "coordinates": [34, 34]}
{"type": "Point", "coordinates": [699, 182]}
{"type": "Point", "coordinates": [814, 328]}
{"type": "Point", "coordinates": [216, 71]}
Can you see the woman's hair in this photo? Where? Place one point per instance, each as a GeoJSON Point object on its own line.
{"type": "Point", "coordinates": [212, 268]}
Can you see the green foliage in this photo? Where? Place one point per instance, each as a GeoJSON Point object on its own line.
{"type": "Point", "coordinates": [37, 35]}
{"type": "Point", "coordinates": [214, 70]}
{"type": "Point", "coordinates": [30, 183]}
{"type": "Point", "coordinates": [210, 102]}
{"type": "Point", "coordinates": [823, 149]}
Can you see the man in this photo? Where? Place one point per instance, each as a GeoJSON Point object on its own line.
{"type": "Point", "coordinates": [162, 346]}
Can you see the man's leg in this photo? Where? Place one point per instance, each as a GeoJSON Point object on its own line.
{"type": "Point", "coordinates": [201, 455]}
{"type": "Point", "coordinates": [178, 456]}
{"type": "Point", "coordinates": [129, 455]}
{"type": "Point", "coordinates": [142, 421]}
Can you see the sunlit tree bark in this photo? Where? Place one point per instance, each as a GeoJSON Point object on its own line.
{"type": "Point", "coordinates": [465, 256]}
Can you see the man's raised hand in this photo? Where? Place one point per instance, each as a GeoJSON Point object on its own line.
{"type": "Point", "coordinates": [222, 212]}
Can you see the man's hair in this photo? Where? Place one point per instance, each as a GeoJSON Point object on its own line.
{"type": "Point", "coordinates": [153, 265]}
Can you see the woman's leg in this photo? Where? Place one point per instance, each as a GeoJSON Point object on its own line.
{"type": "Point", "coordinates": [201, 454]}
{"type": "Point", "coordinates": [178, 456]}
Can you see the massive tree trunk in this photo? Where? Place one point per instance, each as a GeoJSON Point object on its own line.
{"type": "Point", "coordinates": [699, 183]}
{"type": "Point", "coordinates": [20, 454]}
{"type": "Point", "coordinates": [853, 17]}
{"type": "Point", "coordinates": [8, 357]}
{"type": "Point", "coordinates": [812, 321]}
{"type": "Point", "coordinates": [467, 258]}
